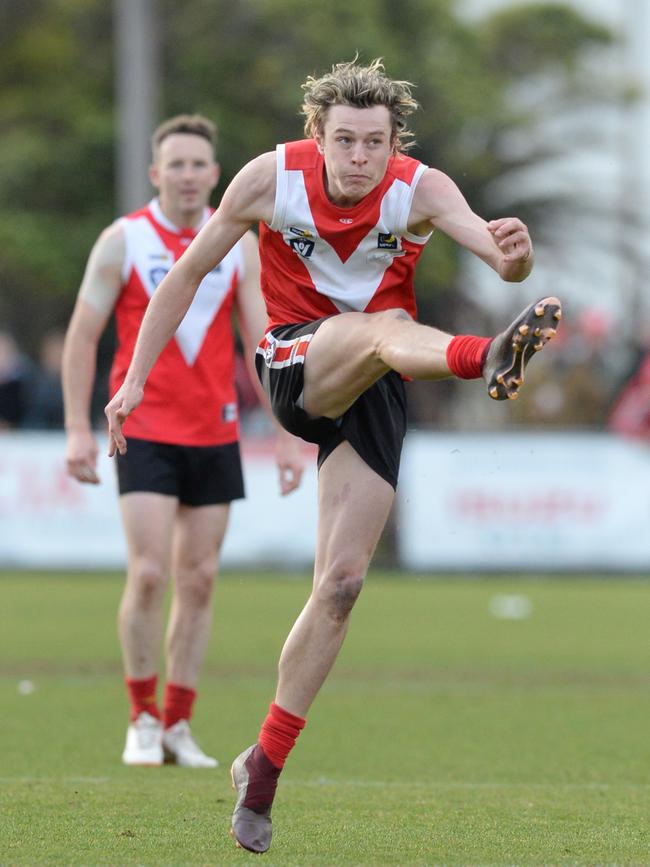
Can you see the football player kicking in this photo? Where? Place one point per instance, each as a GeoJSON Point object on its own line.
{"type": "Point", "coordinates": [344, 217]}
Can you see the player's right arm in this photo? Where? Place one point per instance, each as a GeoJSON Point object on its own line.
{"type": "Point", "coordinates": [249, 198]}
{"type": "Point", "coordinates": [504, 244]}
{"type": "Point", "coordinates": [252, 319]}
{"type": "Point", "coordinates": [100, 288]}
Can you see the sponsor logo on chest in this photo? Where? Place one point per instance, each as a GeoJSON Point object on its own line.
{"type": "Point", "coordinates": [303, 243]}
{"type": "Point", "coordinates": [387, 241]}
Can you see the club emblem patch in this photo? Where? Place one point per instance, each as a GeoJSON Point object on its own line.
{"type": "Point", "coordinates": [156, 275]}
{"type": "Point", "coordinates": [302, 246]}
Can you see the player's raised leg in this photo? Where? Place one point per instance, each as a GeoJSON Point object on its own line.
{"type": "Point", "coordinates": [148, 520]}
{"type": "Point", "coordinates": [198, 536]}
{"type": "Point", "coordinates": [354, 503]}
{"type": "Point", "coordinates": [351, 351]}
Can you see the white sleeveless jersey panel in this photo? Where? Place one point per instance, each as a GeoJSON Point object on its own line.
{"type": "Point", "coordinates": [147, 255]}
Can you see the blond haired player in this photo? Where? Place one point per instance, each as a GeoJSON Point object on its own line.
{"type": "Point", "coordinates": [344, 216]}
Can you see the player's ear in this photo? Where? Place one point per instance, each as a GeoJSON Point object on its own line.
{"type": "Point", "coordinates": [216, 174]}
{"type": "Point", "coordinates": [154, 175]}
{"type": "Point", "coordinates": [318, 137]}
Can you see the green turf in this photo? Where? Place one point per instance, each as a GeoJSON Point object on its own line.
{"type": "Point", "coordinates": [444, 735]}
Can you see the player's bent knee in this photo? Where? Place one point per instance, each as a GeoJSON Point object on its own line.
{"type": "Point", "coordinates": [149, 583]}
{"type": "Point", "coordinates": [339, 593]}
{"type": "Point", "coordinates": [400, 313]}
{"type": "Point", "coordinates": [384, 324]}
{"type": "Point", "coordinates": [196, 585]}
{"type": "Point", "coordinates": [395, 314]}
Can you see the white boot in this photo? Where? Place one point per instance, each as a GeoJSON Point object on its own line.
{"type": "Point", "coordinates": [144, 741]}
{"type": "Point", "coordinates": [181, 748]}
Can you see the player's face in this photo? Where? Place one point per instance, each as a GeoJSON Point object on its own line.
{"type": "Point", "coordinates": [356, 144]}
{"type": "Point", "coordinates": [185, 174]}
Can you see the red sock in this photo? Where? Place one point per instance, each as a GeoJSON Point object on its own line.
{"type": "Point", "coordinates": [466, 355]}
{"type": "Point", "coordinates": [278, 734]}
{"type": "Point", "coordinates": [177, 704]}
{"type": "Point", "coordinates": [142, 695]}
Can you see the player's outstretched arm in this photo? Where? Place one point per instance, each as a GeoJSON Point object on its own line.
{"type": "Point", "coordinates": [251, 315]}
{"type": "Point", "coordinates": [504, 244]}
{"type": "Point", "coordinates": [242, 204]}
{"type": "Point", "coordinates": [99, 291]}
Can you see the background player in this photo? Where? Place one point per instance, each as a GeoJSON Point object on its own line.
{"type": "Point", "coordinates": [183, 468]}
{"type": "Point", "coordinates": [344, 217]}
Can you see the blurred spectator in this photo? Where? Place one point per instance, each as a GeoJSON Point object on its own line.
{"type": "Point", "coordinates": [630, 415]}
{"type": "Point", "coordinates": [45, 403]}
{"type": "Point", "coordinates": [572, 387]}
{"type": "Point", "coordinates": [15, 382]}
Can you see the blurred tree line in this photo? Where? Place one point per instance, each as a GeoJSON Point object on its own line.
{"type": "Point", "coordinates": [242, 64]}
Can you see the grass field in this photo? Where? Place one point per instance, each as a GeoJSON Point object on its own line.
{"type": "Point", "coordinates": [445, 735]}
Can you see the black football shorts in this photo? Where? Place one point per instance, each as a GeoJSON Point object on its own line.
{"type": "Point", "coordinates": [196, 475]}
{"type": "Point", "coordinates": [374, 425]}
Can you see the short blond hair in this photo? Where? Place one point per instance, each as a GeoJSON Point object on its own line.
{"type": "Point", "coordinates": [363, 87]}
{"type": "Point", "coordinates": [191, 124]}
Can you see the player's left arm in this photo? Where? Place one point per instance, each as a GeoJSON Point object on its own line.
{"type": "Point", "coordinates": [251, 318]}
{"type": "Point", "coordinates": [504, 243]}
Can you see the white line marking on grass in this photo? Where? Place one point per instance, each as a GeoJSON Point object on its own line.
{"type": "Point", "coordinates": [376, 784]}
{"type": "Point", "coordinates": [92, 780]}
{"type": "Point", "coordinates": [433, 784]}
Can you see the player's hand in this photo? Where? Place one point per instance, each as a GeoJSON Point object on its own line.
{"type": "Point", "coordinates": [512, 238]}
{"type": "Point", "coordinates": [81, 456]}
{"type": "Point", "coordinates": [290, 460]}
{"type": "Point", "coordinates": [126, 399]}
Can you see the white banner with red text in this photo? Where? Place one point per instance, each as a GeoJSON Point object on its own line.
{"type": "Point", "coordinates": [525, 502]}
{"type": "Point", "coordinates": [544, 502]}
{"type": "Point", "coordinates": [49, 520]}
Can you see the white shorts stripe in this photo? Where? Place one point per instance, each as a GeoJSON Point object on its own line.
{"type": "Point", "coordinates": [293, 359]}
{"type": "Point", "coordinates": [283, 344]}
{"type": "Point", "coordinates": [273, 345]}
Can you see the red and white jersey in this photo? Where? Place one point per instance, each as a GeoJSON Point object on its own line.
{"type": "Point", "coordinates": [319, 259]}
{"type": "Point", "coordinates": [189, 397]}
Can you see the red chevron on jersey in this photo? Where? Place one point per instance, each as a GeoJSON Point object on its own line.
{"type": "Point", "coordinates": [319, 259]}
{"type": "Point", "coordinates": [190, 396]}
